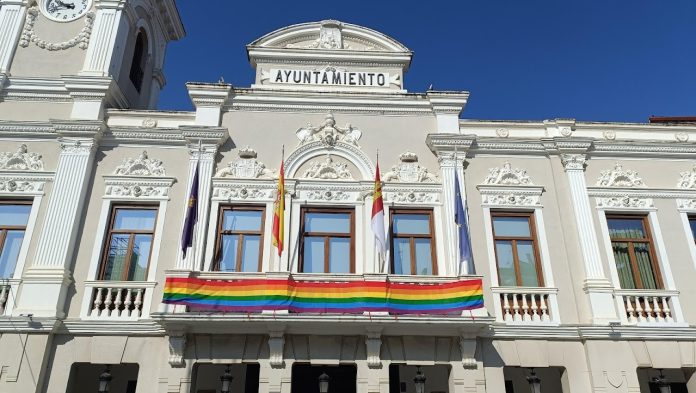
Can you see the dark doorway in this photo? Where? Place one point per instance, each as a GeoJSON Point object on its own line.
{"type": "Point", "coordinates": [305, 378]}
{"type": "Point", "coordinates": [676, 388]}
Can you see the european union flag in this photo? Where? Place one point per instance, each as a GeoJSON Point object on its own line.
{"type": "Point", "coordinates": [465, 256]}
{"type": "Point", "coordinates": [191, 215]}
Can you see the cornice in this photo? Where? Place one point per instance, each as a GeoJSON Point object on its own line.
{"type": "Point", "coordinates": [27, 129]}
{"type": "Point", "coordinates": [448, 142]}
{"type": "Point", "coordinates": [206, 135]}
{"type": "Point", "coordinates": [110, 328]}
{"type": "Point", "coordinates": [660, 193]}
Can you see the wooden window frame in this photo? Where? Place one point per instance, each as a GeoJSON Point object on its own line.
{"type": "Point", "coordinates": [327, 235]}
{"type": "Point", "coordinates": [631, 251]}
{"type": "Point", "coordinates": [5, 228]}
{"type": "Point", "coordinates": [220, 233]}
{"type": "Point", "coordinates": [133, 233]}
{"type": "Point", "coordinates": [412, 238]}
{"type": "Point", "coordinates": [514, 239]}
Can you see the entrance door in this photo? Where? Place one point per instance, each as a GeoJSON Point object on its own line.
{"type": "Point", "coordinates": [305, 378]}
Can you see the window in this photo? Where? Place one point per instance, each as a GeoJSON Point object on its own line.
{"type": "Point", "coordinates": [413, 251]}
{"type": "Point", "coordinates": [239, 240]}
{"type": "Point", "coordinates": [14, 216]}
{"type": "Point", "coordinates": [327, 244]}
{"type": "Point", "coordinates": [692, 224]}
{"type": "Point", "coordinates": [129, 243]}
{"type": "Point", "coordinates": [516, 249]}
{"type": "Point", "coordinates": [634, 254]}
{"type": "Point", "coordinates": [137, 70]}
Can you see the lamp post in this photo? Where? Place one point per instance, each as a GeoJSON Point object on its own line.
{"type": "Point", "coordinates": [323, 383]}
{"type": "Point", "coordinates": [662, 383]}
{"type": "Point", "coordinates": [226, 380]}
{"type": "Point", "coordinates": [419, 381]}
{"type": "Point", "coordinates": [534, 382]}
{"type": "Point", "coordinates": [105, 380]}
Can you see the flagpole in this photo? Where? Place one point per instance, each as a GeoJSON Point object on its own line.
{"type": "Point", "coordinates": [194, 253]}
{"type": "Point", "coordinates": [380, 257]}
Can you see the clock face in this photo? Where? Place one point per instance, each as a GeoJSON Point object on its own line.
{"type": "Point", "coordinates": [66, 10]}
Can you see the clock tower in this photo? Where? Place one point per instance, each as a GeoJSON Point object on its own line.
{"type": "Point", "coordinates": [82, 56]}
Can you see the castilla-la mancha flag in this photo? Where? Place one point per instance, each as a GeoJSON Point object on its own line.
{"type": "Point", "coordinates": [279, 212]}
{"type": "Point", "coordinates": [378, 216]}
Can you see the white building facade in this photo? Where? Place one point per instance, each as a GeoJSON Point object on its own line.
{"type": "Point", "coordinates": [582, 234]}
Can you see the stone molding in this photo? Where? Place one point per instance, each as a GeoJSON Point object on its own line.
{"type": "Point", "coordinates": [507, 196]}
{"type": "Point", "coordinates": [29, 35]}
{"type": "Point", "coordinates": [135, 187]}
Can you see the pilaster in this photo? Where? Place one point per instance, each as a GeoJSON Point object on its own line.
{"type": "Point", "coordinates": [45, 282]}
{"type": "Point", "coordinates": [208, 98]}
{"type": "Point", "coordinates": [12, 14]}
{"type": "Point", "coordinates": [447, 105]}
{"type": "Point", "coordinates": [596, 284]}
{"type": "Point", "coordinates": [104, 35]}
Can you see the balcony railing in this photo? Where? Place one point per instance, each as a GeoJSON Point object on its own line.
{"type": "Point", "coordinates": [648, 307]}
{"type": "Point", "coordinates": [526, 305]}
{"type": "Point", "coordinates": [117, 300]}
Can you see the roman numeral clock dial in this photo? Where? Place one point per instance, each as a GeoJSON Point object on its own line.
{"type": "Point", "coordinates": [65, 10]}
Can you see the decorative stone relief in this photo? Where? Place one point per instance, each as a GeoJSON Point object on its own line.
{"type": "Point", "coordinates": [410, 197]}
{"type": "Point", "coordinates": [328, 170]}
{"type": "Point", "coordinates": [625, 201]}
{"type": "Point", "coordinates": [502, 132]}
{"type": "Point", "coordinates": [276, 344]}
{"type": "Point", "coordinates": [573, 161]}
{"type": "Point", "coordinates": [149, 123]}
{"type": "Point", "coordinates": [246, 167]}
{"type": "Point", "coordinates": [235, 192]}
{"type": "Point", "coordinates": [689, 204]}
{"type": "Point", "coordinates": [688, 179]}
{"type": "Point", "coordinates": [327, 195]}
{"type": "Point", "coordinates": [21, 186]}
{"type": "Point", "coordinates": [136, 190]}
{"type": "Point", "coordinates": [618, 177]}
{"type": "Point", "coordinates": [21, 160]}
{"type": "Point", "coordinates": [328, 133]}
{"type": "Point", "coordinates": [330, 37]}
{"type": "Point", "coordinates": [177, 344]}
{"type": "Point", "coordinates": [408, 171]}
{"type": "Point", "coordinates": [681, 137]}
{"type": "Point", "coordinates": [140, 166]}
{"type": "Point", "coordinates": [510, 199]}
{"type": "Point", "coordinates": [506, 175]}
{"type": "Point", "coordinates": [609, 135]}
{"type": "Point", "coordinates": [373, 344]}
{"type": "Point", "coordinates": [29, 35]}
{"type": "Point", "coordinates": [467, 347]}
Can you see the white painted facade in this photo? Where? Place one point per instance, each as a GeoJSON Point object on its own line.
{"type": "Point", "coordinates": [80, 138]}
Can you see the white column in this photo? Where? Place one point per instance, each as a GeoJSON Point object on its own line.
{"type": "Point", "coordinates": [12, 15]}
{"type": "Point", "coordinates": [45, 282]}
{"type": "Point", "coordinates": [449, 166]}
{"type": "Point", "coordinates": [194, 256]}
{"type": "Point", "coordinates": [103, 39]}
{"type": "Point", "coordinates": [596, 284]}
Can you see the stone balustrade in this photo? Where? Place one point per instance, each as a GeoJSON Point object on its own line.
{"type": "Point", "coordinates": [526, 305]}
{"type": "Point", "coordinates": [647, 306]}
{"type": "Point", "coordinates": [117, 300]}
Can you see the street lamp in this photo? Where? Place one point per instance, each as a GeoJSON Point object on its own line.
{"type": "Point", "coordinates": [323, 383]}
{"type": "Point", "coordinates": [419, 381]}
{"type": "Point", "coordinates": [226, 380]}
{"type": "Point", "coordinates": [662, 383]}
{"type": "Point", "coordinates": [534, 382]}
{"type": "Point", "coordinates": [105, 380]}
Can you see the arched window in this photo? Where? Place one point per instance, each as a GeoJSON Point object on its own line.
{"type": "Point", "coordinates": [137, 70]}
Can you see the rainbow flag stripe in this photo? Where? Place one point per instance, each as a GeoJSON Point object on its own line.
{"type": "Point", "coordinates": [354, 297]}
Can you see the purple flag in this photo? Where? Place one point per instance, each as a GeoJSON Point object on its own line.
{"type": "Point", "coordinates": [191, 215]}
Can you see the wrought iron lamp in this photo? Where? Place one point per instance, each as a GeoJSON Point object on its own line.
{"type": "Point", "coordinates": [534, 382]}
{"type": "Point", "coordinates": [226, 380]}
{"type": "Point", "coordinates": [661, 383]}
{"type": "Point", "coordinates": [419, 381]}
{"type": "Point", "coordinates": [323, 383]}
{"type": "Point", "coordinates": [105, 380]}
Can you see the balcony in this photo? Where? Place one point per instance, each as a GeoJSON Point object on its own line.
{"type": "Point", "coordinates": [526, 305]}
{"type": "Point", "coordinates": [649, 307]}
{"type": "Point", "coordinates": [117, 300]}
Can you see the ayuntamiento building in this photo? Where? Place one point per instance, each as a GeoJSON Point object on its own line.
{"type": "Point", "coordinates": [582, 233]}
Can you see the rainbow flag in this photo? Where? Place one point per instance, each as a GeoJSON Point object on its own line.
{"type": "Point", "coordinates": [353, 297]}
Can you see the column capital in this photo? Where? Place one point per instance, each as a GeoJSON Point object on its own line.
{"type": "Point", "coordinates": [439, 143]}
{"type": "Point", "coordinates": [451, 160]}
{"type": "Point", "coordinates": [207, 136]}
{"type": "Point", "coordinates": [574, 161]}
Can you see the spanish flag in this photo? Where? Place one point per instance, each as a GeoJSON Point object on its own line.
{"type": "Point", "coordinates": [378, 216]}
{"type": "Point", "coordinates": [279, 212]}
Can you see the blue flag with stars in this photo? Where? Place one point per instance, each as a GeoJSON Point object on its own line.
{"type": "Point", "coordinates": [465, 256]}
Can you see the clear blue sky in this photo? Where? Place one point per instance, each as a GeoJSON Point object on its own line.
{"type": "Point", "coordinates": [593, 60]}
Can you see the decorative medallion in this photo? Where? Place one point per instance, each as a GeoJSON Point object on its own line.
{"type": "Point", "coordinates": [681, 137]}
{"type": "Point", "coordinates": [149, 123]}
{"type": "Point", "coordinates": [609, 135]}
{"type": "Point", "coordinates": [21, 160]}
{"type": "Point", "coordinates": [506, 175]}
{"type": "Point", "coordinates": [140, 166]}
{"type": "Point", "coordinates": [502, 132]}
{"type": "Point", "coordinates": [328, 133]}
{"type": "Point", "coordinates": [28, 35]}
{"type": "Point", "coordinates": [688, 179]}
{"type": "Point", "coordinates": [618, 177]}
{"type": "Point", "coordinates": [246, 167]}
{"type": "Point", "coordinates": [328, 170]}
{"type": "Point", "coordinates": [408, 171]}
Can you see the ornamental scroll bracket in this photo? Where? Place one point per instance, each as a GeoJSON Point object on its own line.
{"type": "Point", "coordinates": [177, 345]}
{"type": "Point", "coordinates": [373, 345]}
{"type": "Point", "coordinates": [467, 347]}
{"type": "Point", "coordinates": [276, 346]}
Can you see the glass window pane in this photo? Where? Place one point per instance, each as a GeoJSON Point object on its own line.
{"type": "Point", "coordinates": [228, 257]}
{"type": "Point", "coordinates": [135, 219]}
{"type": "Point", "coordinates": [413, 224]}
{"type": "Point", "coordinates": [525, 254]}
{"type": "Point", "coordinates": [10, 252]}
{"type": "Point", "coordinates": [116, 257]}
{"type": "Point", "coordinates": [339, 255]}
{"type": "Point", "coordinates": [645, 266]}
{"type": "Point", "coordinates": [402, 256]}
{"type": "Point", "coordinates": [424, 259]}
{"type": "Point", "coordinates": [327, 222]}
{"type": "Point", "coordinates": [623, 265]}
{"type": "Point", "coordinates": [511, 226]}
{"type": "Point", "coordinates": [250, 253]}
{"type": "Point", "coordinates": [313, 258]}
{"type": "Point", "coordinates": [692, 222]}
{"type": "Point", "coordinates": [139, 258]}
{"type": "Point", "coordinates": [506, 263]}
{"type": "Point", "coordinates": [631, 228]}
{"type": "Point", "coordinates": [14, 215]}
{"type": "Point", "coordinates": [242, 220]}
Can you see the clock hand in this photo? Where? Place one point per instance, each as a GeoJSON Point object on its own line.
{"type": "Point", "coordinates": [66, 5]}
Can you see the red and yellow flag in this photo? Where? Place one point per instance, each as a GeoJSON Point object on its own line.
{"type": "Point", "coordinates": [378, 215]}
{"type": "Point", "coordinates": [279, 212]}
